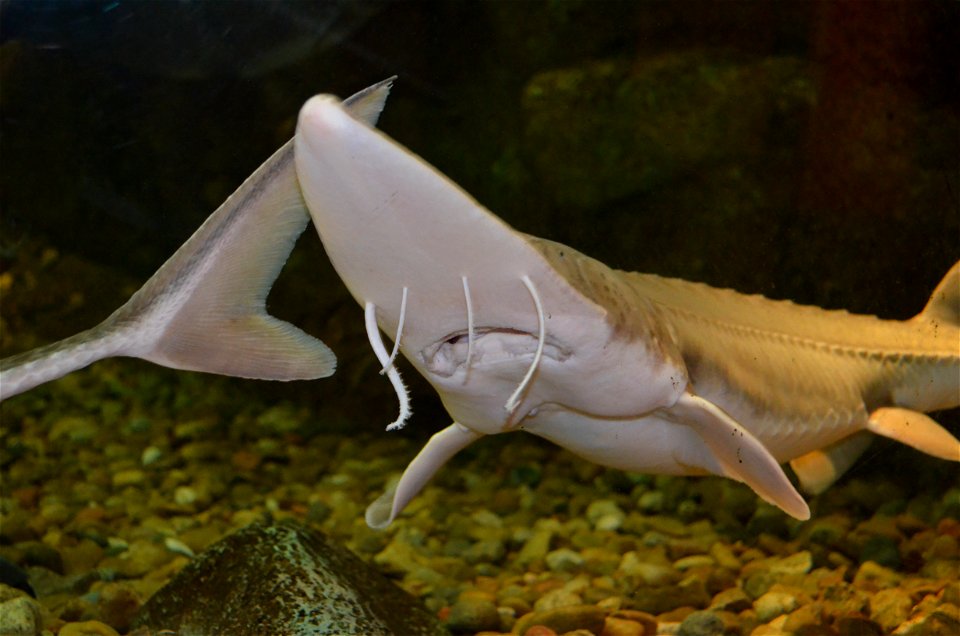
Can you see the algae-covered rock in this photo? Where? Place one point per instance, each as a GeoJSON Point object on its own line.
{"type": "Point", "coordinates": [287, 580]}
{"type": "Point", "coordinates": [605, 130]}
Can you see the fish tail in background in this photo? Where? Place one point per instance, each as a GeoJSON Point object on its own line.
{"type": "Point", "coordinates": [205, 308]}
{"type": "Point", "coordinates": [24, 371]}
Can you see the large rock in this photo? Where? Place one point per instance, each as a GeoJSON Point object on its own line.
{"type": "Point", "coordinates": [285, 580]}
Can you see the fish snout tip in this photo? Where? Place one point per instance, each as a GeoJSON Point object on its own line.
{"type": "Point", "coordinates": [320, 115]}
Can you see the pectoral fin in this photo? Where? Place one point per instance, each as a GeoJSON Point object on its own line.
{"type": "Point", "coordinates": [740, 454]}
{"type": "Point", "coordinates": [817, 470]}
{"type": "Point", "coordinates": [438, 451]}
{"type": "Point", "coordinates": [915, 429]}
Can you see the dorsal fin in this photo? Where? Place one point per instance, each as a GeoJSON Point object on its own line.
{"type": "Point", "coordinates": [944, 303]}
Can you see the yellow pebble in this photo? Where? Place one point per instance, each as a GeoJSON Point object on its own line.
{"type": "Point", "coordinates": [48, 256]}
{"type": "Point", "coordinates": [87, 628]}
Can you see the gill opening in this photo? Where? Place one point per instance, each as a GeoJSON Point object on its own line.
{"type": "Point", "coordinates": [373, 335]}
{"type": "Point", "coordinates": [514, 401]}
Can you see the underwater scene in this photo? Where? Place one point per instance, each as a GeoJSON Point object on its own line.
{"type": "Point", "coordinates": [357, 317]}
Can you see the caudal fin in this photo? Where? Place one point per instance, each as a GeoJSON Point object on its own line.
{"type": "Point", "coordinates": [205, 308]}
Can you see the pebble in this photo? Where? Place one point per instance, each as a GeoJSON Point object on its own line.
{"type": "Point", "coordinates": [799, 563]}
{"type": "Point", "coordinates": [178, 547]}
{"type": "Point", "coordinates": [564, 619]}
{"type": "Point", "coordinates": [944, 621]}
{"type": "Point", "coordinates": [647, 621]}
{"type": "Point", "coordinates": [75, 429]}
{"type": "Point", "coordinates": [804, 619]}
{"type": "Point", "coordinates": [55, 512]}
{"type": "Point", "coordinates": [701, 624]}
{"type": "Point", "coordinates": [150, 455]}
{"type": "Point", "coordinates": [185, 496]}
{"type": "Point", "coordinates": [538, 630]}
{"type": "Point", "coordinates": [555, 599]}
{"type": "Point", "coordinates": [118, 604]}
{"type": "Point", "coordinates": [651, 501]}
{"type": "Point", "coordinates": [563, 560]}
{"type": "Point", "coordinates": [129, 477]}
{"type": "Point", "coordinates": [471, 614]}
{"type": "Point", "coordinates": [535, 549]}
{"type": "Point", "coordinates": [696, 561]}
{"type": "Point", "coordinates": [890, 607]}
{"type": "Point", "coordinates": [87, 628]}
{"type": "Point", "coordinates": [19, 615]}
{"type": "Point", "coordinates": [605, 514]}
{"type": "Point", "coordinates": [858, 626]}
{"type": "Point", "coordinates": [650, 573]}
{"type": "Point", "coordinates": [732, 599]}
{"type": "Point", "coordinates": [690, 592]}
{"type": "Point", "coordinates": [724, 556]}
{"type": "Point", "coordinates": [613, 626]}
{"type": "Point", "coordinates": [873, 576]}
{"type": "Point", "coordinates": [774, 604]}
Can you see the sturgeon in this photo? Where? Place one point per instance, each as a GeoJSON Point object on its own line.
{"type": "Point", "coordinates": [516, 332]}
{"type": "Point", "coordinates": [627, 370]}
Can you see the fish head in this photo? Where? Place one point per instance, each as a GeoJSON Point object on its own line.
{"type": "Point", "coordinates": [485, 305]}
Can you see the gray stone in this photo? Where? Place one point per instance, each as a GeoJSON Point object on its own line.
{"type": "Point", "coordinates": [284, 579]}
{"type": "Point", "coordinates": [19, 615]}
{"type": "Point", "coordinates": [701, 624]}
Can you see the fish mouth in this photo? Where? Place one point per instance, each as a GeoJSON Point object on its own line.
{"type": "Point", "coordinates": [491, 346]}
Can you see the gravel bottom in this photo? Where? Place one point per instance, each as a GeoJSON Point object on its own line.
{"type": "Point", "coordinates": [115, 476]}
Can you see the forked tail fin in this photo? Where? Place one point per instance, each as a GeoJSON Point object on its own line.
{"type": "Point", "coordinates": [204, 309]}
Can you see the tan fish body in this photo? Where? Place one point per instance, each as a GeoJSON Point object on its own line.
{"type": "Point", "coordinates": [628, 370]}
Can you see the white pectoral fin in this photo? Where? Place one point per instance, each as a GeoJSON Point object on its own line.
{"type": "Point", "coordinates": [916, 430]}
{"type": "Point", "coordinates": [437, 452]}
{"type": "Point", "coordinates": [740, 454]}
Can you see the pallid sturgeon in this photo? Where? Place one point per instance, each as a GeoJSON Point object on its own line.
{"type": "Point", "coordinates": [515, 332]}
{"type": "Point", "coordinates": [628, 370]}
